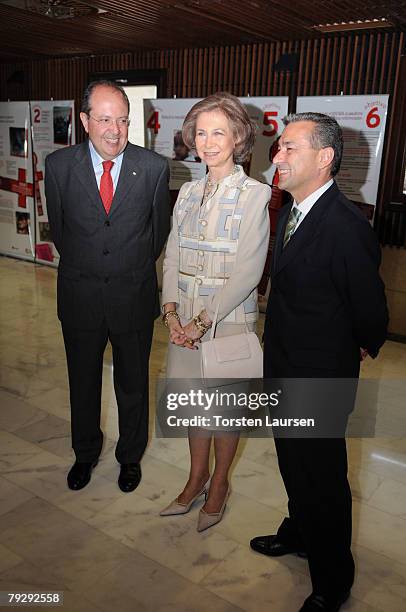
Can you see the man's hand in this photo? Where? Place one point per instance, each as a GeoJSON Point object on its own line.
{"type": "Point", "coordinates": [363, 354]}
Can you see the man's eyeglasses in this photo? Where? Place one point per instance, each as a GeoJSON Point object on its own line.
{"type": "Point", "coordinates": [109, 122]}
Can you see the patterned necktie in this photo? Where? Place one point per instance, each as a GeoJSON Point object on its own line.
{"type": "Point", "coordinates": [106, 186]}
{"type": "Point", "coordinates": [293, 220]}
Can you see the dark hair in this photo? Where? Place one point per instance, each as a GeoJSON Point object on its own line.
{"type": "Point", "coordinates": [326, 133]}
{"type": "Point", "coordinates": [178, 139]}
{"type": "Point", "coordinates": [241, 125]}
{"type": "Point", "coordinates": [86, 100]}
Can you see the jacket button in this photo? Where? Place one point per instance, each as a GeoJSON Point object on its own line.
{"type": "Point", "coordinates": [106, 279]}
{"type": "Point", "coordinates": [201, 237]}
{"type": "Point", "coordinates": [106, 251]}
{"type": "Point", "coordinates": [199, 281]}
{"type": "Point", "coordinates": [201, 253]}
{"type": "Point", "coordinates": [107, 223]}
{"type": "Point", "coordinates": [200, 267]}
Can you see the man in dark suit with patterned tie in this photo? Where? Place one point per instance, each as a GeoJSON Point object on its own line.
{"type": "Point", "coordinates": [108, 207]}
{"type": "Point", "coordinates": [327, 306]}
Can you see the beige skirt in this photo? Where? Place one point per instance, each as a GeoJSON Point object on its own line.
{"type": "Point", "coordinates": [184, 367]}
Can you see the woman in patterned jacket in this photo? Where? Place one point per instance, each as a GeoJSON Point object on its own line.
{"type": "Point", "coordinates": [214, 260]}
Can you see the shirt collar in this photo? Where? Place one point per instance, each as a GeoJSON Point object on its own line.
{"type": "Point", "coordinates": [97, 160]}
{"type": "Point", "coordinates": [305, 205]}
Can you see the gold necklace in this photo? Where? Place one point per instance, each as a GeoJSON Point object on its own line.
{"type": "Point", "coordinates": [211, 183]}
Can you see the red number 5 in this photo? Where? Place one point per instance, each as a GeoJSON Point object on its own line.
{"type": "Point", "coordinates": [268, 121]}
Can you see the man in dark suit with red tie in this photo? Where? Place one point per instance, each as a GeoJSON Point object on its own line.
{"type": "Point", "coordinates": [326, 308]}
{"type": "Point", "coordinates": [108, 207]}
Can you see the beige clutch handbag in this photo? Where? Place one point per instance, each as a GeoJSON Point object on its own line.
{"type": "Point", "coordinates": [237, 357]}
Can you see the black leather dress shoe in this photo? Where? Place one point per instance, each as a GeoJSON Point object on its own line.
{"type": "Point", "coordinates": [271, 546]}
{"type": "Point", "coordinates": [130, 477]}
{"type": "Point", "coordinates": [80, 474]}
{"type": "Point", "coordinates": [318, 603]}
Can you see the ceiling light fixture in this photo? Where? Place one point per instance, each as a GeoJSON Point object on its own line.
{"type": "Point", "coordinates": [56, 9]}
{"type": "Point", "coordinates": [359, 24]}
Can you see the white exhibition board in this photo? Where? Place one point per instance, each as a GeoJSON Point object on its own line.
{"type": "Point", "coordinates": [267, 113]}
{"type": "Point", "coordinates": [17, 232]}
{"type": "Point", "coordinates": [53, 127]}
{"type": "Point", "coordinates": [363, 120]}
{"type": "Point", "coordinates": [136, 95]}
{"type": "Point", "coordinates": [163, 126]}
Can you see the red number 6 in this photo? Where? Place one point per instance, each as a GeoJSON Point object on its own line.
{"type": "Point", "coordinates": [373, 119]}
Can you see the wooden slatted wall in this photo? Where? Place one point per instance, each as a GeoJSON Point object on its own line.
{"type": "Point", "coordinates": [353, 64]}
{"type": "Point", "coordinates": [364, 63]}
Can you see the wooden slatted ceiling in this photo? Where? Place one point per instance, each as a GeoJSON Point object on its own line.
{"type": "Point", "coordinates": [162, 24]}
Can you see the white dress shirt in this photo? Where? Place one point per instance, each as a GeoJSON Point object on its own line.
{"type": "Point", "coordinates": [307, 204]}
{"type": "Point", "coordinates": [97, 162]}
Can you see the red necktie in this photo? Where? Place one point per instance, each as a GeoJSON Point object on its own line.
{"type": "Point", "coordinates": [106, 186]}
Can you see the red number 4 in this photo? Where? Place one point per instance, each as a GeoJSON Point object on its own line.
{"type": "Point", "coordinates": [153, 122]}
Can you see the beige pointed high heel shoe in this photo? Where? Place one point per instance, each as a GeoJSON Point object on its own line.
{"type": "Point", "coordinates": [177, 508]}
{"type": "Point", "coordinates": [208, 519]}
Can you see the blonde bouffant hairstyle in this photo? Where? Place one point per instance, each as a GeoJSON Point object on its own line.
{"type": "Point", "coordinates": [242, 127]}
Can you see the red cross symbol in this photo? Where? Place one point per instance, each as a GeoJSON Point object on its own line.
{"type": "Point", "coordinates": [19, 186]}
{"type": "Point", "coordinates": [39, 176]}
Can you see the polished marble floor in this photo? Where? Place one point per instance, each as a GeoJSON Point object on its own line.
{"type": "Point", "coordinates": [108, 550]}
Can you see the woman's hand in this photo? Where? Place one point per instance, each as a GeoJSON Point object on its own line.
{"type": "Point", "coordinates": [176, 332]}
{"type": "Point", "coordinates": [192, 334]}
{"type": "Point", "coordinates": [181, 336]}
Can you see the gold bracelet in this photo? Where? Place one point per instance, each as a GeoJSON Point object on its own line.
{"type": "Point", "coordinates": [170, 313]}
{"type": "Point", "coordinates": [200, 324]}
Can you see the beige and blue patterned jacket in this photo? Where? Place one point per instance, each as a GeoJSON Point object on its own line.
{"type": "Point", "coordinates": [216, 253]}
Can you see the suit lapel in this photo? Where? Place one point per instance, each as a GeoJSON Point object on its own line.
{"type": "Point", "coordinates": [307, 231]}
{"type": "Point", "coordinates": [84, 171]}
{"type": "Point", "coordinates": [280, 232]}
{"type": "Point", "coordinates": [130, 173]}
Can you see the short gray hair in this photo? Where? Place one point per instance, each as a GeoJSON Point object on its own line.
{"type": "Point", "coordinates": [326, 133]}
